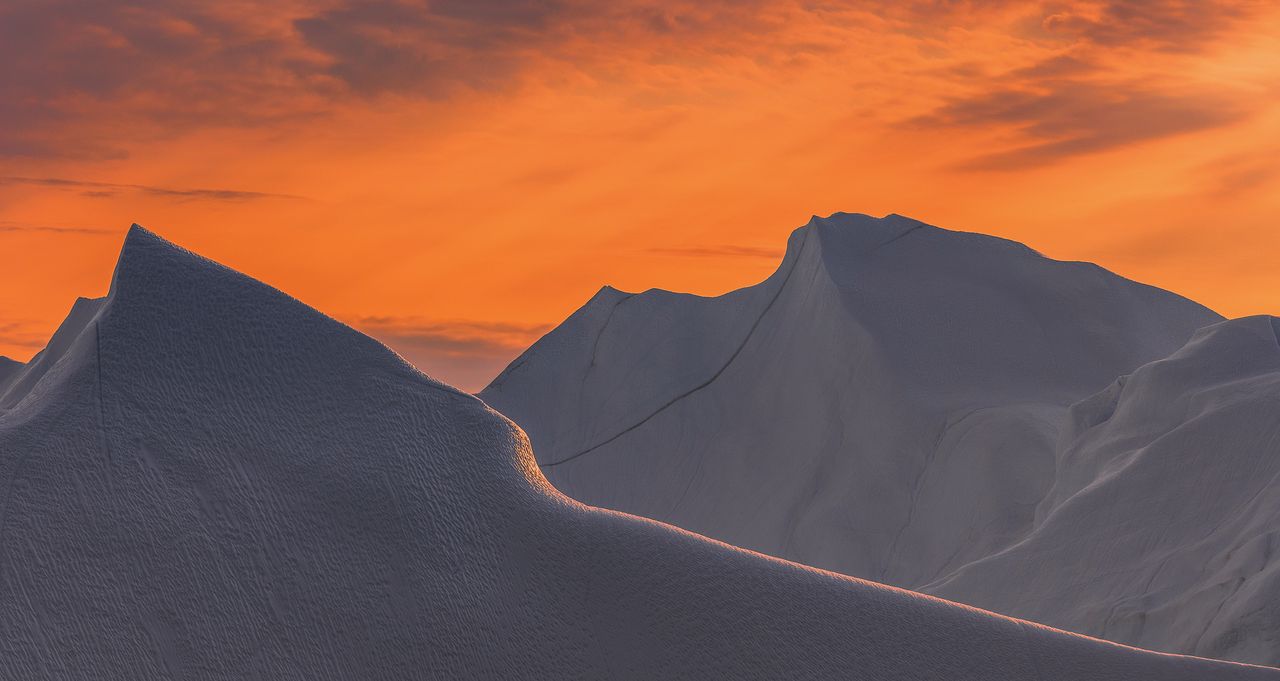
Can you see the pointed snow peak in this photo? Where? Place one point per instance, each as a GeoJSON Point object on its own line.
{"type": "Point", "coordinates": [840, 215]}
{"type": "Point", "coordinates": [862, 220]}
{"type": "Point", "coordinates": [139, 253]}
{"type": "Point", "coordinates": [862, 225]}
{"type": "Point", "coordinates": [83, 301]}
{"type": "Point", "coordinates": [165, 275]}
{"type": "Point", "coordinates": [853, 234]}
{"type": "Point", "coordinates": [606, 295]}
{"type": "Point", "coordinates": [151, 266]}
{"type": "Point", "coordinates": [168, 303]}
{"type": "Point", "coordinates": [608, 291]}
{"type": "Point", "coordinates": [139, 237]}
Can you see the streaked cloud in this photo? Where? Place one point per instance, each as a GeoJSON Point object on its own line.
{"type": "Point", "coordinates": [721, 251]}
{"type": "Point", "coordinates": [452, 336]}
{"type": "Point", "coordinates": [85, 79]}
{"type": "Point", "coordinates": [108, 189]}
{"type": "Point", "coordinates": [1171, 25]}
{"type": "Point", "coordinates": [16, 227]}
{"type": "Point", "coordinates": [23, 335]}
{"type": "Point", "coordinates": [1110, 79]}
{"type": "Point", "coordinates": [134, 70]}
{"type": "Point", "coordinates": [1237, 175]}
{"type": "Point", "coordinates": [388, 46]}
{"type": "Point", "coordinates": [465, 353]}
{"type": "Point", "coordinates": [501, 159]}
{"type": "Point", "coordinates": [82, 79]}
{"type": "Point", "coordinates": [1076, 118]}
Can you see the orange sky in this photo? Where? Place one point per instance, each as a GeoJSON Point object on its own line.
{"type": "Point", "coordinates": [456, 176]}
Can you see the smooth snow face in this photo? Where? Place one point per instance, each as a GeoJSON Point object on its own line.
{"type": "Point", "coordinates": [22, 380]}
{"type": "Point", "coordinates": [895, 404]}
{"type": "Point", "coordinates": [1161, 527]}
{"type": "Point", "coordinates": [209, 480]}
{"type": "Point", "coordinates": [885, 405]}
{"type": "Point", "coordinates": [8, 371]}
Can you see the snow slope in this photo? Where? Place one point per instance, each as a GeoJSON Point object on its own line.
{"type": "Point", "coordinates": [885, 405]}
{"type": "Point", "coordinates": [895, 403]}
{"type": "Point", "coordinates": [20, 382]}
{"type": "Point", "coordinates": [209, 480]}
{"type": "Point", "coordinates": [9, 369]}
{"type": "Point", "coordinates": [1163, 526]}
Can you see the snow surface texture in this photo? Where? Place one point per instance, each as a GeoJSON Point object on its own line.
{"type": "Point", "coordinates": [1161, 528]}
{"type": "Point", "coordinates": [9, 370]}
{"type": "Point", "coordinates": [889, 405]}
{"type": "Point", "coordinates": [205, 479]}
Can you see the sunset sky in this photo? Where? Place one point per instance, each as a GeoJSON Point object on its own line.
{"type": "Point", "coordinates": [455, 177]}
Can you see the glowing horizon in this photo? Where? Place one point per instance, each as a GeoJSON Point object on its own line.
{"type": "Point", "coordinates": [456, 178]}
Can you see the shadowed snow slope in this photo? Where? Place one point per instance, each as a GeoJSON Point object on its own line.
{"type": "Point", "coordinates": [9, 370]}
{"type": "Point", "coordinates": [886, 405]}
{"type": "Point", "coordinates": [205, 479]}
{"type": "Point", "coordinates": [21, 379]}
{"type": "Point", "coordinates": [1163, 526]}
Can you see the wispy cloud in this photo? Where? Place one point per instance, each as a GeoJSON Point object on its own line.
{"type": "Point", "coordinates": [16, 227]}
{"type": "Point", "coordinates": [1238, 174]}
{"type": "Point", "coordinates": [725, 251]}
{"type": "Point", "coordinates": [452, 336]}
{"type": "Point", "coordinates": [83, 79]}
{"type": "Point", "coordinates": [465, 353]}
{"type": "Point", "coordinates": [108, 189]}
{"type": "Point", "coordinates": [1169, 25]}
{"type": "Point", "coordinates": [1077, 118]}
{"type": "Point", "coordinates": [75, 68]}
{"type": "Point", "coordinates": [22, 334]}
{"type": "Point", "coordinates": [1090, 94]}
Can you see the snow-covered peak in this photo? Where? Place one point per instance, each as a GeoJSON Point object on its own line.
{"type": "Point", "coordinates": [958, 319]}
{"type": "Point", "coordinates": [885, 404]}
{"type": "Point", "coordinates": [1159, 528]}
{"type": "Point", "coordinates": [216, 481]}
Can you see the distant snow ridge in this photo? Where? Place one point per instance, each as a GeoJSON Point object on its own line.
{"type": "Point", "coordinates": [1162, 528]}
{"type": "Point", "coordinates": [895, 403]}
{"type": "Point", "coordinates": [202, 478]}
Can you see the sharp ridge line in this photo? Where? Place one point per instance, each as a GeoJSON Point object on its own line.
{"type": "Point", "coordinates": [595, 346]}
{"type": "Point", "coordinates": [751, 332]}
{"type": "Point", "coordinates": [799, 252]}
{"type": "Point", "coordinates": [914, 499]}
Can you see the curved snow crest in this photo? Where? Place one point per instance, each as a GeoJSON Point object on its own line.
{"type": "Point", "coordinates": [214, 481]}
{"type": "Point", "coordinates": [1184, 454]}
